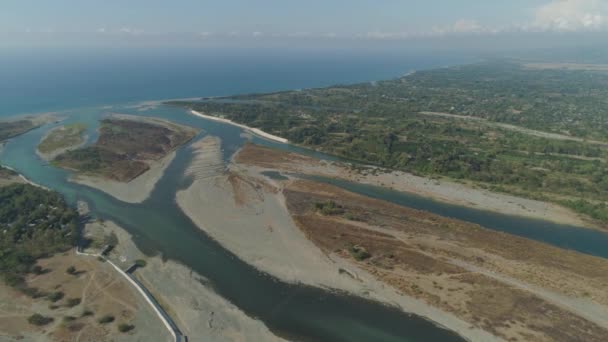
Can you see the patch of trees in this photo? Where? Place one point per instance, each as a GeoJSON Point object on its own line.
{"type": "Point", "coordinates": [34, 223]}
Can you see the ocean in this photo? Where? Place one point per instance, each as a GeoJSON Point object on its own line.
{"type": "Point", "coordinates": [43, 80]}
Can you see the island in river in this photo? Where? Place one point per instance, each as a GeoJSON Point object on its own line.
{"type": "Point", "coordinates": [129, 157]}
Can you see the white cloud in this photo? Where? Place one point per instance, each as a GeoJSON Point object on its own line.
{"type": "Point", "coordinates": [129, 30]}
{"type": "Point", "coordinates": [572, 15]}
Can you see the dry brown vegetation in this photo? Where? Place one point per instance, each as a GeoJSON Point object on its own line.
{"type": "Point", "coordinates": [125, 147]}
{"type": "Point", "coordinates": [451, 264]}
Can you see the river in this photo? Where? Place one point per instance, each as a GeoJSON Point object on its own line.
{"type": "Point", "coordinates": [159, 227]}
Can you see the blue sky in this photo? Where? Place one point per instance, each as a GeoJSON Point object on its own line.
{"type": "Point", "coordinates": [379, 19]}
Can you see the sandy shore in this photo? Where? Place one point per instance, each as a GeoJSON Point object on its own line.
{"type": "Point", "coordinates": [248, 216]}
{"type": "Point", "coordinates": [137, 190]}
{"type": "Point", "coordinates": [199, 312]}
{"type": "Point", "coordinates": [440, 190]}
{"type": "Point", "coordinates": [255, 131]}
{"type": "Point", "coordinates": [461, 194]}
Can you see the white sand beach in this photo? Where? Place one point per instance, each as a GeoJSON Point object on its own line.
{"type": "Point", "coordinates": [255, 131]}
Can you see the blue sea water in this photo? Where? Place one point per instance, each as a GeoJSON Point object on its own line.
{"type": "Point", "coordinates": [43, 80]}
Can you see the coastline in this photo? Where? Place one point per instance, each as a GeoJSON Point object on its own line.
{"type": "Point", "coordinates": [247, 215]}
{"type": "Point", "coordinates": [137, 190]}
{"type": "Point", "coordinates": [255, 131]}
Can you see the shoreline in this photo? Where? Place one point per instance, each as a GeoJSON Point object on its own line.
{"type": "Point", "coordinates": [135, 191]}
{"type": "Point", "coordinates": [255, 131]}
{"type": "Point", "coordinates": [248, 216]}
{"type": "Point", "coordinates": [25, 179]}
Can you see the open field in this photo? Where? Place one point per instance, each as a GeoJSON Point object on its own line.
{"type": "Point", "coordinates": [60, 140]}
{"type": "Point", "coordinates": [514, 288]}
{"type": "Point", "coordinates": [76, 303]}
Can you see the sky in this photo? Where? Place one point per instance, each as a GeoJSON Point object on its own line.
{"type": "Point", "coordinates": [197, 21]}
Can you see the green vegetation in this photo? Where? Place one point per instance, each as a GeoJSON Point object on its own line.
{"type": "Point", "coordinates": [106, 319]}
{"type": "Point", "coordinates": [329, 208]}
{"type": "Point", "coordinates": [38, 319]}
{"type": "Point", "coordinates": [123, 327]}
{"type": "Point", "coordinates": [359, 253]}
{"type": "Point", "coordinates": [72, 302]}
{"type": "Point", "coordinates": [71, 270]}
{"type": "Point", "coordinates": [141, 263]}
{"type": "Point", "coordinates": [469, 123]}
{"type": "Point", "coordinates": [55, 296]}
{"type": "Point", "coordinates": [123, 149]}
{"type": "Point", "coordinates": [11, 129]}
{"type": "Point", "coordinates": [86, 313]}
{"type": "Point", "coordinates": [35, 223]}
{"type": "Point", "coordinates": [62, 137]}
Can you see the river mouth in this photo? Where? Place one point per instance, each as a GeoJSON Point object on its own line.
{"type": "Point", "coordinates": [159, 227]}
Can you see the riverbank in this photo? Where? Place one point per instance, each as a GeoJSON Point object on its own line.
{"type": "Point", "coordinates": [135, 191]}
{"type": "Point", "coordinates": [199, 312]}
{"type": "Point", "coordinates": [247, 214]}
{"type": "Point", "coordinates": [440, 190]}
{"type": "Point", "coordinates": [255, 131]}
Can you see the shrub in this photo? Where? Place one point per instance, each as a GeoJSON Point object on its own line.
{"type": "Point", "coordinates": [106, 319]}
{"type": "Point", "coordinates": [140, 263]}
{"type": "Point", "coordinates": [359, 253]}
{"type": "Point", "coordinates": [86, 312]}
{"type": "Point", "coordinates": [72, 302]}
{"type": "Point", "coordinates": [69, 318]}
{"type": "Point", "coordinates": [329, 208]}
{"type": "Point", "coordinates": [37, 270]}
{"type": "Point", "coordinates": [38, 319]}
{"type": "Point", "coordinates": [71, 270]}
{"type": "Point", "coordinates": [55, 296]}
{"type": "Point", "coordinates": [123, 327]}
